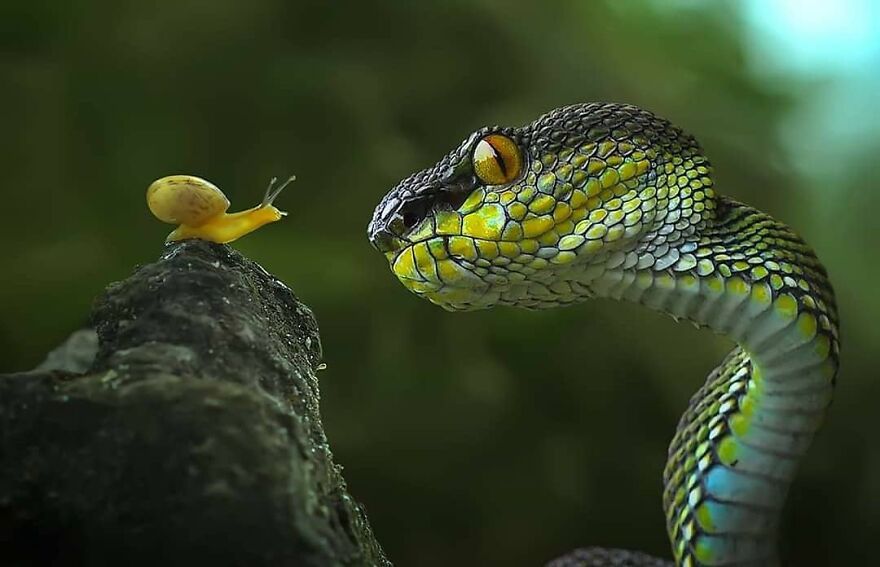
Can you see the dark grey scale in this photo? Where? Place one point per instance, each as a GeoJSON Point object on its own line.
{"type": "Point", "coordinates": [598, 557]}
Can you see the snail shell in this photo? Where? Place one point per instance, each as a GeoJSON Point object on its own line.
{"type": "Point", "coordinates": [185, 199]}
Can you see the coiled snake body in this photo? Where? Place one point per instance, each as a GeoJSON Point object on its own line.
{"type": "Point", "coordinates": [608, 200]}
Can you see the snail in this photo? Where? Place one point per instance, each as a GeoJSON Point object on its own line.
{"type": "Point", "coordinates": [199, 207]}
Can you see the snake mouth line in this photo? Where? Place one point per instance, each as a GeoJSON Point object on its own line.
{"type": "Point", "coordinates": [459, 260]}
{"type": "Point", "coordinates": [429, 269]}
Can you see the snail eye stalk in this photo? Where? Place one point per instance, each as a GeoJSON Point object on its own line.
{"type": "Point", "coordinates": [497, 160]}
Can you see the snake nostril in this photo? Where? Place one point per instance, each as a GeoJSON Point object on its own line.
{"type": "Point", "coordinates": [384, 241]}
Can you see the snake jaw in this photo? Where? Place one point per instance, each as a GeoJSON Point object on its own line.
{"type": "Point", "coordinates": [428, 270]}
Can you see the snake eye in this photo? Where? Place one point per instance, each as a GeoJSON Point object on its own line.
{"type": "Point", "coordinates": [497, 160]}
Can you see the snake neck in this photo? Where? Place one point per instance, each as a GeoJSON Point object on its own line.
{"type": "Point", "coordinates": [736, 449]}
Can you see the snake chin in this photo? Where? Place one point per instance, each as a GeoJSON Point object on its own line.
{"type": "Point", "coordinates": [451, 298]}
{"type": "Point", "coordinates": [446, 281]}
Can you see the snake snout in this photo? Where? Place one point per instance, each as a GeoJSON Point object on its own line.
{"type": "Point", "coordinates": [384, 240]}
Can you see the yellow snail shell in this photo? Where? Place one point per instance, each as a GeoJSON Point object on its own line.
{"type": "Point", "coordinates": [185, 199]}
{"type": "Point", "coordinates": [199, 208]}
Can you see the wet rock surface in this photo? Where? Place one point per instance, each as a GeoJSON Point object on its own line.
{"type": "Point", "coordinates": [191, 436]}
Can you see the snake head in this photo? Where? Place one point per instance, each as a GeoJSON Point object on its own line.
{"type": "Point", "coordinates": [528, 216]}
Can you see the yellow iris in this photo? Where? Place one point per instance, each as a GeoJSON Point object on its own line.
{"type": "Point", "coordinates": [497, 160]}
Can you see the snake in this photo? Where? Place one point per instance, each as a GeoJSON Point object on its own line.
{"type": "Point", "coordinates": [608, 200]}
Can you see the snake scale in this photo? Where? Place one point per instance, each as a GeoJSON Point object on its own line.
{"type": "Point", "coordinates": [609, 200]}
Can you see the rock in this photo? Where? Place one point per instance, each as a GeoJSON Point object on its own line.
{"type": "Point", "coordinates": [75, 355]}
{"type": "Point", "coordinates": [191, 437]}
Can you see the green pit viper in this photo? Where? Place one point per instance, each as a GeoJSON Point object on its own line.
{"type": "Point", "coordinates": [609, 200]}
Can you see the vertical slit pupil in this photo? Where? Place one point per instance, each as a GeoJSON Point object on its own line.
{"type": "Point", "coordinates": [499, 160]}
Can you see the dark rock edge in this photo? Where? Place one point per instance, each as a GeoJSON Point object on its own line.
{"type": "Point", "coordinates": [191, 437]}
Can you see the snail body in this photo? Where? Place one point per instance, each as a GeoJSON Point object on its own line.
{"type": "Point", "coordinates": [199, 208]}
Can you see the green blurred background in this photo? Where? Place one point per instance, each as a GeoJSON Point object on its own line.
{"type": "Point", "coordinates": [495, 438]}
